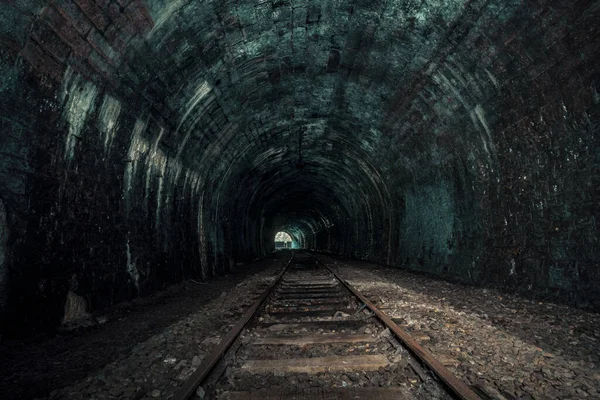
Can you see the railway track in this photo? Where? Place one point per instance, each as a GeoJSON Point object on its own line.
{"type": "Point", "coordinates": [313, 336]}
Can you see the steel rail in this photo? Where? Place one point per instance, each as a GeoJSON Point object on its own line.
{"type": "Point", "coordinates": [456, 385]}
{"type": "Point", "coordinates": [195, 380]}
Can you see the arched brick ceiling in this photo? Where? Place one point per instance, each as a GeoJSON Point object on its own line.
{"type": "Point", "coordinates": [362, 81]}
{"type": "Point", "coordinates": [455, 137]}
{"type": "Point", "coordinates": [404, 91]}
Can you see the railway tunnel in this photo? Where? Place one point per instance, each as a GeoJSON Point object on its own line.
{"type": "Point", "coordinates": [146, 143]}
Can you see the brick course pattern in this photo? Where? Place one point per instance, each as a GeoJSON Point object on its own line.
{"type": "Point", "coordinates": [173, 139]}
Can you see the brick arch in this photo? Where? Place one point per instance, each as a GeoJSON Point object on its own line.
{"type": "Point", "coordinates": [454, 138]}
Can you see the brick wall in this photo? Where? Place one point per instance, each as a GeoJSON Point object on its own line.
{"type": "Point", "coordinates": [144, 142]}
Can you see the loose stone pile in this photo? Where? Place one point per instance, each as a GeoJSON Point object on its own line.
{"type": "Point", "coordinates": [156, 367]}
{"type": "Point", "coordinates": [509, 346]}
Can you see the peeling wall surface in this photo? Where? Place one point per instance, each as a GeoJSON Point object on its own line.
{"type": "Point", "coordinates": [144, 142]}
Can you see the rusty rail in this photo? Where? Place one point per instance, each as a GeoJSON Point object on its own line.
{"type": "Point", "coordinates": [454, 384]}
{"type": "Point", "coordinates": [195, 380]}
{"type": "Point", "coordinates": [458, 387]}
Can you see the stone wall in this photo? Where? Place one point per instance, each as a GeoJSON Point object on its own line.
{"type": "Point", "coordinates": [100, 208]}
{"type": "Point", "coordinates": [145, 142]}
{"type": "Point", "coordinates": [4, 259]}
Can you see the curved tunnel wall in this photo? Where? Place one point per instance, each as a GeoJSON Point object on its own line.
{"type": "Point", "coordinates": [145, 142]}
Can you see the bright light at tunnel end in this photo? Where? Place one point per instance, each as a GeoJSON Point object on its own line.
{"type": "Point", "coordinates": [283, 240]}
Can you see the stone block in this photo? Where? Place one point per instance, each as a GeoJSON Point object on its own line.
{"type": "Point", "coordinates": [93, 12]}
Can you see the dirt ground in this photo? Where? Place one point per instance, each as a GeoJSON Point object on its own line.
{"type": "Point", "coordinates": [34, 369]}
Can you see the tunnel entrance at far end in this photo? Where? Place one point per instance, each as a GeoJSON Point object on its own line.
{"type": "Point", "coordinates": [283, 241]}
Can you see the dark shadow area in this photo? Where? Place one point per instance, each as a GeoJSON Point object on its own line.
{"type": "Point", "coordinates": [34, 368]}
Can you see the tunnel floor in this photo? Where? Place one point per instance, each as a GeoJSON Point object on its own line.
{"type": "Point", "coordinates": [509, 346]}
{"type": "Point", "coordinates": [98, 359]}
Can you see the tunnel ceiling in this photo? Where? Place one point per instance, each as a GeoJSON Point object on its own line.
{"type": "Point", "coordinates": [365, 95]}
{"type": "Point", "coordinates": [457, 137]}
{"type": "Point", "coordinates": [358, 88]}
{"type": "Point", "coordinates": [357, 99]}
